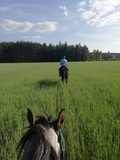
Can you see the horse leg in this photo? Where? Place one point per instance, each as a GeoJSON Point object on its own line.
{"type": "Point", "coordinates": [66, 77]}
{"type": "Point", "coordinates": [62, 79]}
{"type": "Point", "coordinates": [66, 80]}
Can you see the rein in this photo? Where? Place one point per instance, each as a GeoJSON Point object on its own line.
{"type": "Point", "coordinates": [62, 144]}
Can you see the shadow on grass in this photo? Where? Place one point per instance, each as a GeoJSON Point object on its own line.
{"type": "Point", "coordinates": [46, 83]}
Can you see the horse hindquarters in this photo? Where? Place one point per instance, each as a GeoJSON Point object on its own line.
{"type": "Point", "coordinates": [64, 75]}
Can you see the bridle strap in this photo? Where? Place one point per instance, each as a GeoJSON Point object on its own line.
{"type": "Point", "coordinates": [62, 145]}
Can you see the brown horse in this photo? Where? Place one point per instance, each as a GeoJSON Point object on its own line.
{"type": "Point", "coordinates": [64, 73]}
{"type": "Point", "coordinates": [43, 140]}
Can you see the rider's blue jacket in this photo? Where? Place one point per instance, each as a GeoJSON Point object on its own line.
{"type": "Point", "coordinates": [63, 62]}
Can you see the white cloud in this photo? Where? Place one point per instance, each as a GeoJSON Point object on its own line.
{"type": "Point", "coordinates": [10, 25]}
{"type": "Point", "coordinates": [87, 14]}
{"type": "Point", "coordinates": [64, 9]}
{"type": "Point", "coordinates": [107, 20]}
{"type": "Point", "coordinates": [103, 7]}
{"type": "Point", "coordinates": [45, 26]}
{"type": "Point", "coordinates": [81, 4]}
{"type": "Point", "coordinates": [101, 12]}
{"type": "Point", "coordinates": [81, 9]}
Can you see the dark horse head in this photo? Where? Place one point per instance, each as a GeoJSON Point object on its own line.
{"type": "Point", "coordinates": [43, 140]}
{"type": "Point", "coordinates": [64, 74]}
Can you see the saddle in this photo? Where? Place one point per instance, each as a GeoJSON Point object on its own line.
{"type": "Point", "coordinates": [64, 68]}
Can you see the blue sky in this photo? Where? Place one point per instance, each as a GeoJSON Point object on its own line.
{"type": "Point", "coordinates": [95, 23]}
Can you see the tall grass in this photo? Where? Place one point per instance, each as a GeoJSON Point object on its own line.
{"type": "Point", "coordinates": [91, 100]}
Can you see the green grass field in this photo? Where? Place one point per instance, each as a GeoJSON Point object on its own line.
{"type": "Point", "coordinates": [91, 100]}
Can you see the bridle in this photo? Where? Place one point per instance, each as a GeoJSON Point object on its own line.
{"type": "Point", "coordinates": [62, 145]}
{"type": "Point", "coordinates": [60, 140]}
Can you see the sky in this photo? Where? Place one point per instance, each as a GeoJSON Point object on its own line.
{"type": "Point", "coordinates": [94, 23]}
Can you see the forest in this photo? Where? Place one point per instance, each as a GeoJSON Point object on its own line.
{"type": "Point", "coordinates": [22, 51]}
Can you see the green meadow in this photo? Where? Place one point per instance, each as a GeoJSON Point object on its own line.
{"type": "Point", "coordinates": [91, 100]}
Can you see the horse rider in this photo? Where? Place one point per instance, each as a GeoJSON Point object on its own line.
{"type": "Point", "coordinates": [63, 64]}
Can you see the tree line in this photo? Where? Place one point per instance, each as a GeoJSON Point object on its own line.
{"type": "Point", "coordinates": [22, 51]}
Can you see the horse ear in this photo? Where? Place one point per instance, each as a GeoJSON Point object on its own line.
{"type": "Point", "coordinates": [60, 119]}
{"type": "Point", "coordinates": [30, 117]}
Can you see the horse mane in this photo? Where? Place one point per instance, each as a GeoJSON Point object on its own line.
{"type": "Point", "coordinates": [41, 148]}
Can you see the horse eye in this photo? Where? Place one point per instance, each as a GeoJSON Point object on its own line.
{"type": "Point", "coordinates": [59, 138]}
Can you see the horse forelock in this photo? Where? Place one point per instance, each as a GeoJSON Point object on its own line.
{"type": "Point", "coordinates": [53, 140]}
